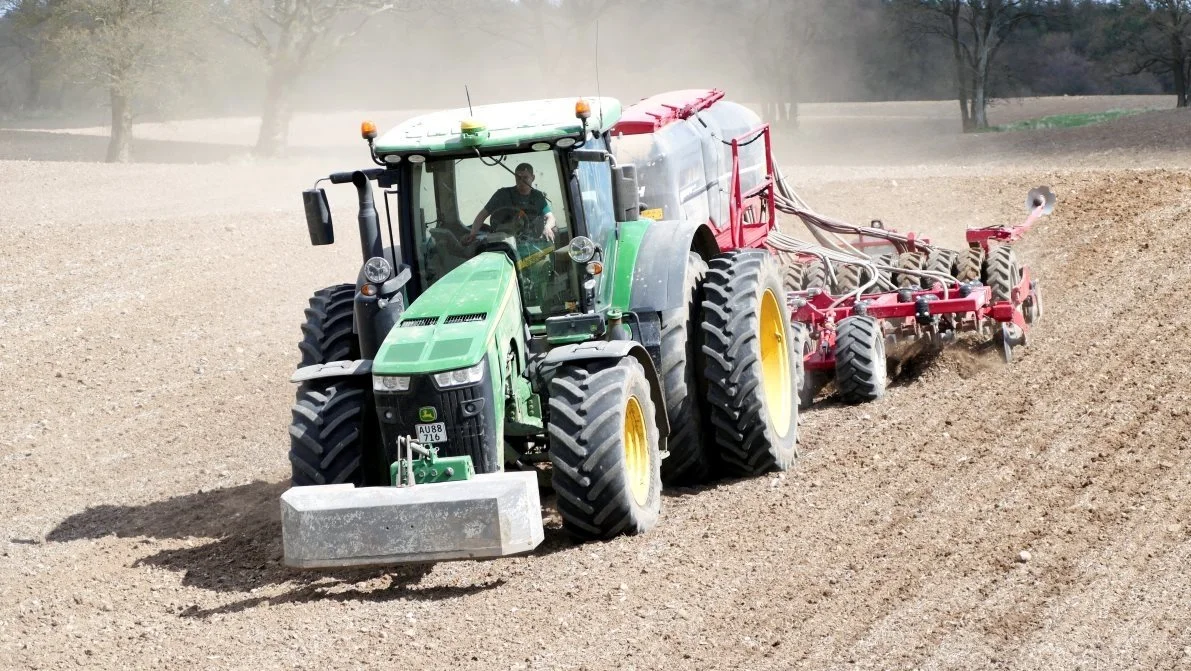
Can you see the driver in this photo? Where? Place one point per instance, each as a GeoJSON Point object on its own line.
{"type": "Point", "coordinates": [512, 208]}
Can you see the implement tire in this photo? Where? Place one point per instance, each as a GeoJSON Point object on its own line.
{"type": "Point", "coordinates": [327, 432]}
{"type": "Point", "coordinates": [604, 448]}
{"type": "Point", "coordinates": [910, 261]}
{"type": "Point", "coordinates": [1001, 272]}
{"type": "Point", "coordinates": [327, 333]}
{"type": "Point", "coordinates": [860, 373]}
{"type": "Point", "coordinates": [969, 265]}
{"type": "Point", "coordinates": [749, 364]}
{"type": "Point", "coordinates": [689, 462]}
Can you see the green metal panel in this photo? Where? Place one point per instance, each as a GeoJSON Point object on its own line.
{"type": "Point", "coordinates": [506, 125]}
{"type": "Point", "coordinates": [623, 261]}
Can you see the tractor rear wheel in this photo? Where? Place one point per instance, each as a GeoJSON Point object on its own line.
{"type": "Point", "coordinates": [969, 266]}
{"type": "Point", "coordinates": [604, 448]}
{"type": "Point", "coordinates": [327, 333]}
{"type": "Point", "coordinates": [689, 461]}
{"type": "Point", "coordinates": [1001, 272]}
{"type": "Point", "coordinates": [327, 432]}
{"type": "Point", "coordinates": [749, 364]}
{"type": "Point", "coordinates": [860, 360]}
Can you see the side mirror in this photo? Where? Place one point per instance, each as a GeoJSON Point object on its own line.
{"type": "Point", "coordinates": [626, 194]}
{"type": "Point", "coordinates": [318, 217]}
{"type": "Point", "coordinates": [589, 155]}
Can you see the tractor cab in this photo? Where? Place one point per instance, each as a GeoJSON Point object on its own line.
{"type": "Point", "coordinates": [526, 217]}
{"type": "Point", "coordinates": [507, 178]}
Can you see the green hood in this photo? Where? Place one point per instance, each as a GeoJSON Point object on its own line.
{"type": "Point", "coordinates": [451, 325]}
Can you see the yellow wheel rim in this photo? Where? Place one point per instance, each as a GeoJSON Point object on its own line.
{"type": "Point", "coordinates": [636, 451]}
{"type": "Point", "coordinates": [775, 364]}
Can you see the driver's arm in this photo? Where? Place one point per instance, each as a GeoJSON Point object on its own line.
{"type": "Point", "coordinates": [549, 229]}
{"type": "Point", "coordinates": [475, 225]}
{"type": "Point", "coordinates": [484, 212]}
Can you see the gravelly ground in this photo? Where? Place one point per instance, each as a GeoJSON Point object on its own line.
{"type": "Point", "coordinates": [148, 322]}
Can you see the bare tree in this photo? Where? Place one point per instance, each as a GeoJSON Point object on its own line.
{"type": "Point", "coordinates": [1161, 42]}
{"type": "Point", "coordinates": [291, 35]}
{"type": "Point", "coordinates": [127, 48]}
{"type": "Point", "coordinates": [976, 30]}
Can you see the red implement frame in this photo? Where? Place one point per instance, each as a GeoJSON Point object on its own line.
{"type": "Point", "coordinates": [753, 214]}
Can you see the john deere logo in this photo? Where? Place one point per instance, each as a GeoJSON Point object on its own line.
{"type": "Point", "coordinates": [427, 414]}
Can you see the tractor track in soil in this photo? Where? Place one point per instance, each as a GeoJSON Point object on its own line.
{"type": "Point", "coordinates": [147, 334]}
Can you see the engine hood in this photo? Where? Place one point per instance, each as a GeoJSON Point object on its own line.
{"type": "Point", "coordinates": [452, 323]}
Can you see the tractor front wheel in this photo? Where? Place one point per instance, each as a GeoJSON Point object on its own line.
{"type": "Point", "coordinates": [750, 364]}
{"type": "Point", "coordinates": [327, 432]}
{"type": "Point", "coordinates": [604, 449]}
{"type": "Point", "coordinates": [327, 332]}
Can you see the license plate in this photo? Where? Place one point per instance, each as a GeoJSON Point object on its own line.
{"type": "Point", "coordinates": [432, 433]}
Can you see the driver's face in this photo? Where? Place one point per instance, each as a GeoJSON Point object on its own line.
{"type": "Point", "coordinates": [524, 177]}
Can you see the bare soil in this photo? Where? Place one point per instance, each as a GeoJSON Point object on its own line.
{"type": "Point", "coordinates": [148, 324]}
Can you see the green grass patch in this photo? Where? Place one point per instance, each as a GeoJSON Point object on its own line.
{"type": "Point", "coordinates": [1064, 121]}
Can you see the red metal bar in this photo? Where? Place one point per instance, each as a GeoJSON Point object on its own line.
{"type": "Point", "coordinates": [658, 111]}
{"type": "Point", "coordinates": [981, 236]}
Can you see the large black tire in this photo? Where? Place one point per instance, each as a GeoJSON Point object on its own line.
{"type": "Point", "coordinates": [604, 448]}
{"type": "Point", "coordinates": [860, 372]}
{"type": "Point", "coordinates": [689, 461]}
{"type": "Point", "coordinates": [749, 364]}
{"type": "Point", "coordinates": [969, 266]}
{"type": "Point", "coordinates": [1001, 272]}
{"type": "Point", "coordinates": [327, 333]}
{"type": "Point", "coordinates": [808, 384]}
{"type": "Point", "coordinates": [327, 432]}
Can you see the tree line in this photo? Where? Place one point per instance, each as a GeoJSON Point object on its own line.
{"type": "Point", "coordinates": [139, 59]}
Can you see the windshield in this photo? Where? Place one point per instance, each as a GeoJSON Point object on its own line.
{"type": "Point", "coordinates": [514, 204]}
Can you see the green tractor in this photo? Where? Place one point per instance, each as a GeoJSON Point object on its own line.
{"type": "Point", "coordinates": [525, 331]}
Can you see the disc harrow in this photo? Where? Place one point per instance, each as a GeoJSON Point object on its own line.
{"type": "Point", "coordinates": [883, 290]}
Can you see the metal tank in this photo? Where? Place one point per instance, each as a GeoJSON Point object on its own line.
{"type": "Point", "coordinates": [683, 154]}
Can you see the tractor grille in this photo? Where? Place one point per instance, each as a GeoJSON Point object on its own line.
{"type": "Point", "coordinates": [463, 319]}
{"type": "Point", "coordinates": [468, 413]}
{"type": "Point", "coordinates": [421, 321]}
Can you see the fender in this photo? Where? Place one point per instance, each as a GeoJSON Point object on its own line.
{"type": "Point", "coordinates": [332, 369]}
{"type": "Point", "coordinates": [612, 350]}
{"type": "Point", "coordinates": [659, 275]}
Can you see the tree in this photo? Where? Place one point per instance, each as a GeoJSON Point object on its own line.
{"type": "Point", "coordinates": [291, 35]}
{"type": "Point", "coordinates": [128, 48]}
{"type": "Point", "coordinates": [27, 22]}
{"type": "Point", "coordinates": [976, 30]}
{"type": "Point", "coordinates": [1160, 41]}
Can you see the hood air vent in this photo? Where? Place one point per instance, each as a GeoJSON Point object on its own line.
{"type": "Point", "coordinates": [422, 321]}
{"type": "Point", "coordinates": [463, 319]}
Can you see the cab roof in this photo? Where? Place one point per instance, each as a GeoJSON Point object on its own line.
{"type": "Point", "coordinates": [508, 125]}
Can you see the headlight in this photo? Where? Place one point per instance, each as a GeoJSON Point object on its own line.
{"type": "Point", "coordinates": [390, 383]}
{"type": "Point", "coordinates": [581, 249]}
{"type": "Point", "coordinates": [377, 270]}
{"type": "Point", "coordinates": [458, 378]}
